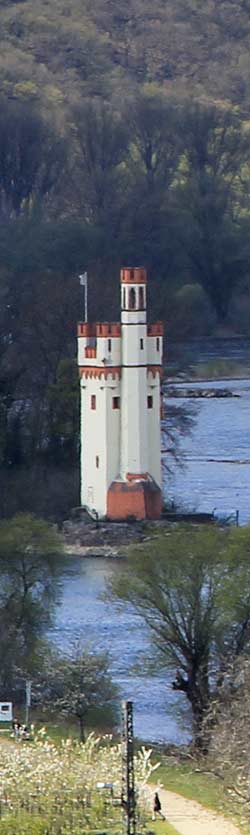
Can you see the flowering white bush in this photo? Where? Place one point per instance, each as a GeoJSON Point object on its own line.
{"type": "Point", "coordinates": [57, 786]}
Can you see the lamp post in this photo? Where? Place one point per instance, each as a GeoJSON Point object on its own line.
{"type": "Point", "coordinates": [127, 798]}
{"type": "Point", "coordinates": [128, 780]}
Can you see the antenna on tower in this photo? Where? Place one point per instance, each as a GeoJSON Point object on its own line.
{"type": "Point", "coordinates": [84, 283]}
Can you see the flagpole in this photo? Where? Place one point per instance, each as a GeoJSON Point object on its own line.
{"type": "Point", "coordinates": [84, 283]}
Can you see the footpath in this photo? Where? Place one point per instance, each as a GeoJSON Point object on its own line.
{"type": "Point", "coordinates": [190, 818]}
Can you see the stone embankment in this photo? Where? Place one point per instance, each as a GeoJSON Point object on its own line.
{"type": "Point", "coordinates": [172, 391]}
{"type": "Point", "coordinates": [86, 537]}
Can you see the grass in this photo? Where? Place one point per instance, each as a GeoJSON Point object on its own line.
{"type": "Point", "coordinates": [181, 778]}
{"type": "Point", "coordinates": [220, 369]}
{"type": "Point", "coordinates": [205, 788]}
{"type": "Point", "coordinates": [163, 828]}
{"type": "Point", "coordinates": [59, 729]}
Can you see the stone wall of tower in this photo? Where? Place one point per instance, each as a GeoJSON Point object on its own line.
{"type": "Point", "coordinates": [100, 439]}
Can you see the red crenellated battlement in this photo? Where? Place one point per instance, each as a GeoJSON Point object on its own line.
{"type": "Point", "coordinates": [108, 329]}
{"type": "Point", "coordinates": [97, 329]}
{"type": "Point", "coordinates": [156, 329]}
{"type": "Point", "coordinates": [86, 329]}
{"type": "Point", "coordinates": [133, 275]}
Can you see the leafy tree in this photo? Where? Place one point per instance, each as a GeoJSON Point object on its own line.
{"type": "Point", "coordinates": [189, 585]}
{"type": "Point", "coordinates": [229, 718]}
{"type": "Point", "coordinates": [63, 422]}
{"type": "Point", "coordinates": [101, 149]}
{"type": "Point", "coordinates": [78, 683]}
{"type": "Point", "coordinates": [31, 564]}
{"type": "Point", "coordinates": [32, 157]}
{"type": "Point", "coordinates": [215, 149]}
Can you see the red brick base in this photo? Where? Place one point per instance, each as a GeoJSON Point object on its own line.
{"type": "Point", "coordinates": [138, 499]}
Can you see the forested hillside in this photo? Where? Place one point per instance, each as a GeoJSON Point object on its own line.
{"type": "Point", "coordinates": [124, 138]}
{"type": "Point", "coordinates": [60, 51]}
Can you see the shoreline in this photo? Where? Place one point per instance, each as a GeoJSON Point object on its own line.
{"type": "Point", "coordinates": [98, 552]}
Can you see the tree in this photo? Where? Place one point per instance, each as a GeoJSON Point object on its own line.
{"type": "Point", "coordinates": [32, 157]}
{"type": "Point", "coordinates": [229, 718]}
{"type": "Point", "coordinates": [102, 140]}
{"type": "Point", "coordinates": [31, 564]}
{"type": "Point", "coordinates": [78, 683]}
{"type": "Point", "coordinates": [216, 147]}
{"type": "Point", "coordinates": [189, 585]}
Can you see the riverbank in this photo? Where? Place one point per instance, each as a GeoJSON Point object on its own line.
{"type": "Point", "coordinates": [84, 537]}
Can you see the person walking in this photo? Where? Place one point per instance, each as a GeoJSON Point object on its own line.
{"type": "Point", "coordinates": [157, 808]}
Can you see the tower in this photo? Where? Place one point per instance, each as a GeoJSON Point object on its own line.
{"type": "Point", "coordinates": [120, 368]}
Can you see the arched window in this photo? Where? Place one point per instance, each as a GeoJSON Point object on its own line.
{"type": "Point", "coordinates": [131, 299]}
{"type": "Point", "coordinates": [141, 298]}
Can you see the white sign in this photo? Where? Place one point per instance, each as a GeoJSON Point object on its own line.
{"type": "Point", "coordinates": [5, 711]}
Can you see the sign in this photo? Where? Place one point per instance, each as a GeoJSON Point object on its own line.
{"type": "Point", "coordinates": [6, 712]}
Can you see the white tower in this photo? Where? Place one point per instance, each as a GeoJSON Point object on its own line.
{"type": "Point", "coordinates": [120, 369]}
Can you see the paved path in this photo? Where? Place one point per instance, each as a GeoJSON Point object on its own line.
{"type": "Point", "coordinates": [190, 818]}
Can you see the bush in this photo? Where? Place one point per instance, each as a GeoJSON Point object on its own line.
{"type": "Point", "coordinates": [24, 824]}
{"type": "Point", "coordinates": [52, 790]}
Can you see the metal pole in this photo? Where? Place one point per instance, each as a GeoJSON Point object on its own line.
{"type": "Point", "coordinates": [28, 701]}
{"type": "Point", "coordinates": [128, 782]}
{"type": "Point", "coordinates": [84, 283]}
{"type": "Point", "coordinates": [86, 298]}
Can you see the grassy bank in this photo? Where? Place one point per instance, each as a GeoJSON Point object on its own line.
{"type": "Point", "coordinates": [221, 369]}
{"type": "Point", "coordinates": [189, 781]}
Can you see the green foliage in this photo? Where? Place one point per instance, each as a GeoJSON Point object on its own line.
{"type": "Point", "coordinates": [77, 684]}
{"type": "Point", "coordinates": [123, 139]}
{"type": "Point", "coordinates": [56, 786]}
{"type": "Point", "coordinates": [24, 824]}
{"type": "Point", "coordinates": [189, 585]}
{"type": "Point", "coordinates": [31, 563]}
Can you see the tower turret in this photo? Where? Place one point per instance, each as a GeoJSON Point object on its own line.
{"type": "Point", "coordinates": [134, 457]}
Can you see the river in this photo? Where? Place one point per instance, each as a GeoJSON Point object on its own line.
{"type": "Point", "coordinates": [216, 475]}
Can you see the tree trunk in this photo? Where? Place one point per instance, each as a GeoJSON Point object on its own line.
{"type": "Point", "coordinates": [197, 693]}
{"type": "Point", "coordinates": [82, 733]}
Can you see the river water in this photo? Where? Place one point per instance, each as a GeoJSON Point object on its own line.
{"type": "Point", "coordinates": [216, 475]}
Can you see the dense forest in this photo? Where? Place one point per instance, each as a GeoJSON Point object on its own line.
{"type": "Point", "coordinates": [124, 138]}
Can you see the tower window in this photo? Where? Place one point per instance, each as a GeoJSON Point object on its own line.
{"type": "Point", "coordinates": [124, 298]}
{"type": "Point", "coordinates": [116, 403]}
{"type": "Point", "coordinates": [141, 344]}
{"type": "Point", "coordinates": [93, 401]}
{"type": "Point", "coordinates": [131, 299]}
{"type": "Point", "coordinates": [150, 401]}
{"type": "Point", "coordinates": [141, 298]}
{"type": "Point", "coordinates": [109, 344]}
{"type": "Point", "coordinates": [157, 343]}
{"type": "Point", "coordinates": [97, 462]}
